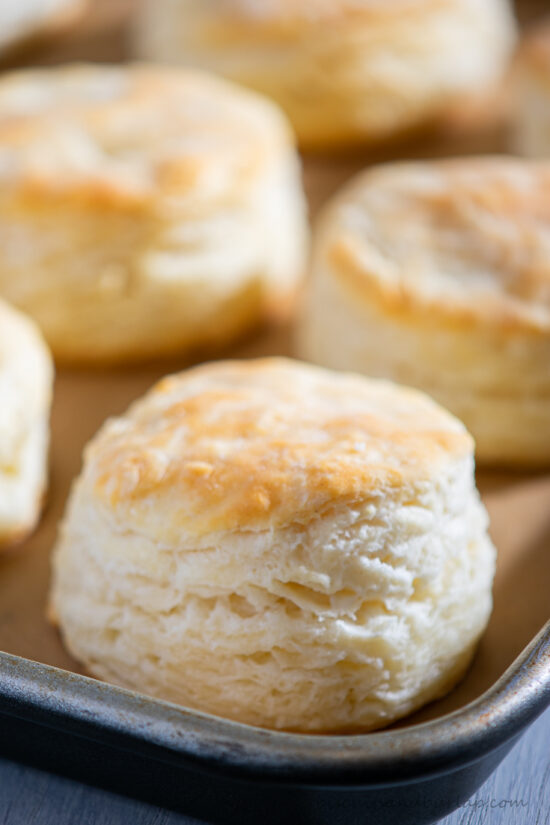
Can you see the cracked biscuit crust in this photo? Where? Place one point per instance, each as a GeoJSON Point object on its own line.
{"type": "Point", "coordinates": [277, 544]}
{"type": "Point", "coordinates": [145, 211]}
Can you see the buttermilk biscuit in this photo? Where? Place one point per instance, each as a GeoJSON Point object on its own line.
{"type": "Point", "coordinates": [343, 70]}
{"type": "Point", "coordinates": [26, 376]}
{"type": "Point", "coordinates": [531, 124]}
{"type": "Point", "coordinates": [24, 20]}
{"type": "Point", "coordinates": [144, 210]}
{"type": "Point", "coordinates": [437, 274]}
{"type": "Point", "coordinates": [278, 544]}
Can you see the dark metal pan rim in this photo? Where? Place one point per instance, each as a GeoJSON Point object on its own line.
{"type": "Point", "coordinates": [98, 711]}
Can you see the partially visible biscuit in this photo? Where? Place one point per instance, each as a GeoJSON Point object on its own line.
{"type": "Point", "coordinates": [437, 275]}
{"type": "Point", "coordinates": [531, 122]}
{"type": "Point", "coordinates": [23, 21]}
{"type": "Point", "coordinates": [277, 544]}
{"type": "Point", "coordinates": [26, 376]}
{"type": "Point", "coordinates": [345, 71]}
{"type": "Point", "coordinates": [145, 210]}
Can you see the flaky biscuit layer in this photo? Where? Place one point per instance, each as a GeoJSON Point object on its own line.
{"type": "Point", "coordinates": [143, 210]}
{"type": "Point", "coordinates": [437, 275]}
{"type": "Point", "coordinates": [279, 545]}
{"type": "Point", "coordinates": [343, 71]}
{"type": "Point", "coordinates": [26, 20]}
{"type": "Point", "coordinates": [26, 377]}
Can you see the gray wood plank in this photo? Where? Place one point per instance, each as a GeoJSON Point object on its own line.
{"type": "Point", "coordinates": [518, 793]}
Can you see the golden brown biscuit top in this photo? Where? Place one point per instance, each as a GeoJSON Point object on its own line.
{"type": "Point", "coordinates": [467, 240]}
{"type": "Point", "coordinates": [282, 20]}
{"type": "Point", "coordinates": [272, 11]}
{"type": "Point", "coordinates": [128, 133]}
{"type": "Point", "coordinates": [265, 443]}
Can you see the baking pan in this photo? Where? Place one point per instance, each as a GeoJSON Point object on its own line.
{"type": "Point", "coordinates": [223, 772]}
{"type": "Point", "coordinates": [51, 715]}
{"type": "Point", "coordinates": [220, 772]}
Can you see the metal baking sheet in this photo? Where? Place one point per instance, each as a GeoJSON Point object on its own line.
{"type": "Point", "coordinates": [71, 722]}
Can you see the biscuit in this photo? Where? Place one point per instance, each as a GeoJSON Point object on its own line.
{"type": "Point", "coordinates": [277, 544]}
{"type": "Point", "coordinates": [531, 120]}
{"type": "Point", "coordinates": [25, 20]}
{"type": "Point", "coordinates": [145, 210]}
{"type": "Point", "coordinates": [26, 376]}
{"type": "Point", "coordinates": [345, 71]}
{"type": "Point", "coordinates": [437, 275]}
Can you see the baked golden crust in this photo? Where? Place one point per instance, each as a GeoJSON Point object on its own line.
{"type": "Point", "coordinates": [437, 275]}
{"type": "Point", "coordinates": [343, 71]}
{"type": "Point", "coordinates": [276, 16]}
{"type": "Point", "coordinates": [277, 544]}
{"type": "Point", "coordinates": [465, 240]}
{"type": "Point", "coordinates": [26, 378]}
{"type": "Point", "coordinates": [104, 134]}
{"type": "Point", "coordinates": [144, 210]}
{"type": "Point", "coordinates": [28, 21]}
{"type": "Point", "coordinates": [266, 442]}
